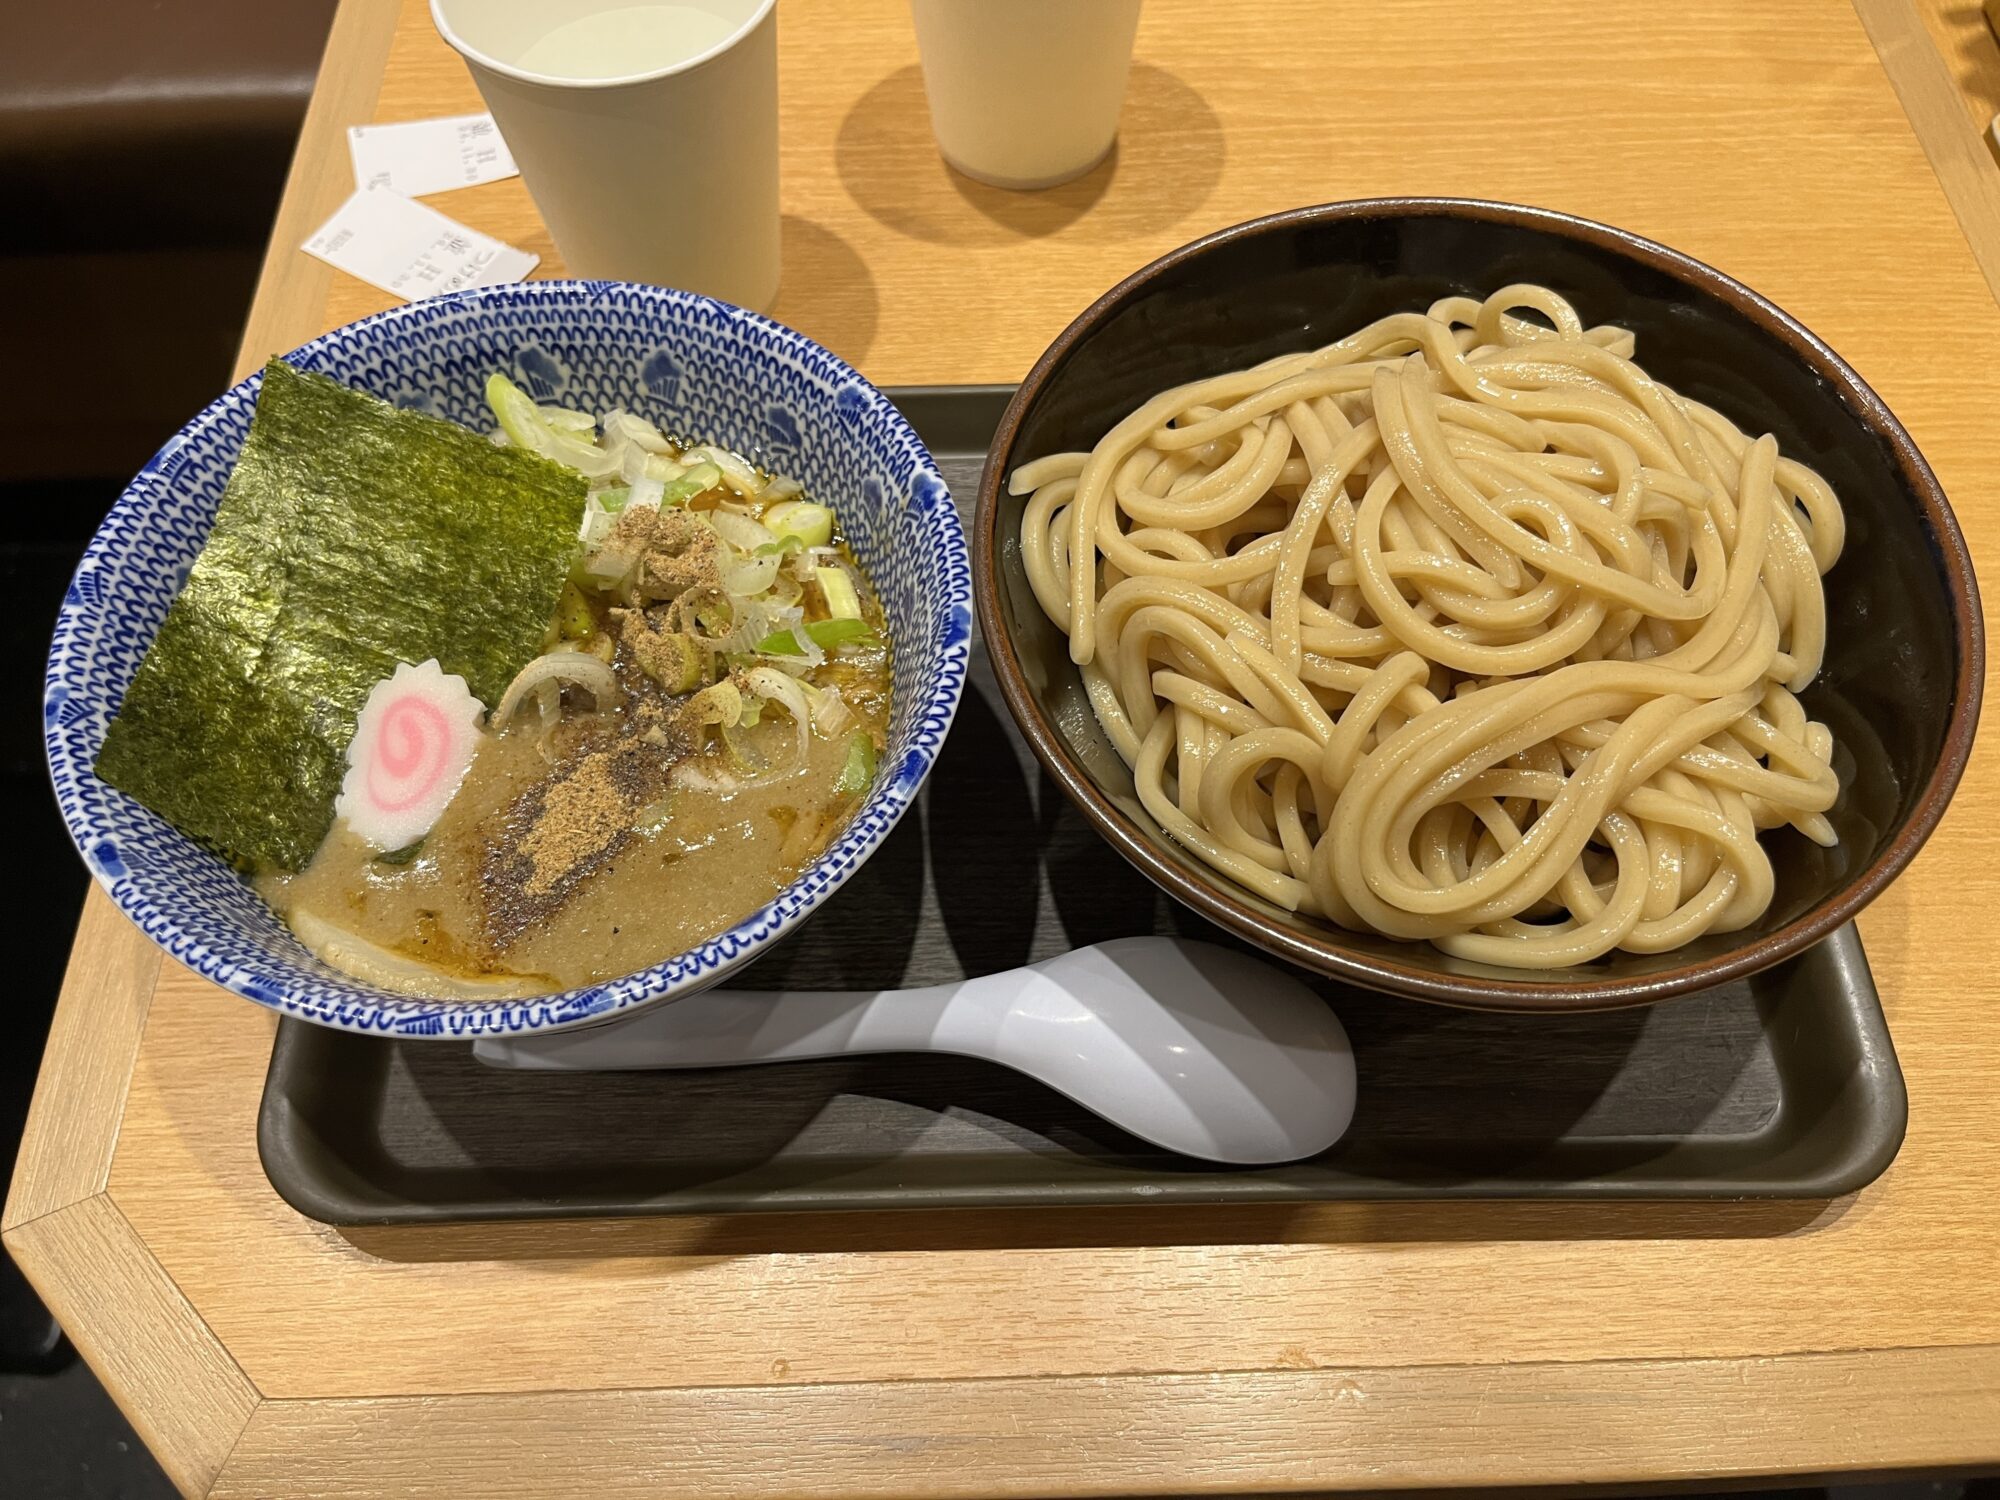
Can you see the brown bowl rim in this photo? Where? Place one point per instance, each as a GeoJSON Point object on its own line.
{"type": "Point", "coordinates": [1327, 955]}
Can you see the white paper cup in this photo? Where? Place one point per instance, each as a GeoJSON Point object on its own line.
{"type": "Point", "coordinates": [1025, 93]}
{"type": "Point", "coordinates": [647, 133]}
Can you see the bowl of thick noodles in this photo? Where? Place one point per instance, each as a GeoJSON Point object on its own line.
{"type": "Point", "coordinates": [1479, 603]}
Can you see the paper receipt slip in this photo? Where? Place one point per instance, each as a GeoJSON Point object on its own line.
{"type": "Point", "coordinates": [418, 157]}
{"type": "Point", "coordinates": [412, 250]}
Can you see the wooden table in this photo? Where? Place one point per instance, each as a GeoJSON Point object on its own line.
{"type": "Point", "coordinates": [1133, 1350]}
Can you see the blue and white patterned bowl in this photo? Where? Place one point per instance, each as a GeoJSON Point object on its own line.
{"type": "Point", "coordinates": [690, 363]}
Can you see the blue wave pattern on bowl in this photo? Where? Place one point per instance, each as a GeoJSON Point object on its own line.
{"type": "Point", "coordinates": [694, 365]}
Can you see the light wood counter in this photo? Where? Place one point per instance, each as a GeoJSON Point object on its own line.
{"type": "Point", "coordinates": [1126, 1351]}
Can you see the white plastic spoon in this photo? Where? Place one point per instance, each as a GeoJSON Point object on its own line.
{"type": "Point", "coordinates": [1200, 1049]}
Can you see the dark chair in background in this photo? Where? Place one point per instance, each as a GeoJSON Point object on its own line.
{"type": "Point", "coordinates": [143, 146]}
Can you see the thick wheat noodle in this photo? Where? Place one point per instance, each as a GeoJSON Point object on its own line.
{"type": "Point", "coordinates": [1463, 629]}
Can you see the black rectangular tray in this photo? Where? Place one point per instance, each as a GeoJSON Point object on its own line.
{"type": "Point", "coordinates": [1781, 1086]}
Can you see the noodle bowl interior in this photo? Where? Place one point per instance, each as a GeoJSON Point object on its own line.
{"type": "Point", "coordinates": [1463, 629]}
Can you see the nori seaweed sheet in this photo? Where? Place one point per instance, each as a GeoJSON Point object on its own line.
{"type": "Point", "coordinates": [352, 535]}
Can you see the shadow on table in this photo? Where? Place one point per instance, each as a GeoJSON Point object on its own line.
{"type": "Point", "coordinates": [1166, 163]}
{"type": "Point", "coordinates": [825, 289]}
{"type": "Point", "coordinates": [1440, 1222]}
{"type": "Point", "coordinates": [1967, 42]}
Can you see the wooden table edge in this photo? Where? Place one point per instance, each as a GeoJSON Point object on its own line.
{"type": "Point", "coordinates": [1258, 1430]}
{"type": "Point", "coordinates": [1924, 86]}
{"type": "Point", "coordinates": [1267, 1430]}
{"type": "Point", "coordinates": [216, 1434]}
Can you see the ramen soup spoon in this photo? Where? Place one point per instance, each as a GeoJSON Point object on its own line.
{"type": "Point", "coordinates": [1197, 1048]}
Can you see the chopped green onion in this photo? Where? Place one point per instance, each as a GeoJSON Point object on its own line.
{"type": "Point", "coordinates": [825, 633]}
{"type": "Point", "coordinates": [673, 661]}
{"type": "Point", "coordinates": [858, 773]}
{"type": "Point", "coordinates": [715, 615]}
{"type": "Point", "coordinates": [699, 479]}
{"type": "Point", "coordinates": [785, 591]}
{"type": "Point", "coordinates": [527, 426]}
{"type": "Point", "coordinates": [515, 412]}
{"type": "Point", "coordinates": [811, 524]}
{"type": "Point", "coordinates": [842, 602]}
{"type": "Point", "coordinates": [784, 546]}
{"type": "Point", "coordinates": [613, 500]}
{"type": "Point", "coordinates": [720, 704]}
{"type": "Point", "coordinates": [574, 619]}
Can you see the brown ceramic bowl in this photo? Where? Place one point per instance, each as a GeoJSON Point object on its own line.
{"type": "Point", "coordinates": [1900, 688]}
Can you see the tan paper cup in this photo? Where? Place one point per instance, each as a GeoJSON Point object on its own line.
{"type": "Point", "coordinates": [647, 133]}
{"type": "Point", "coordinates": [1025, 93]}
